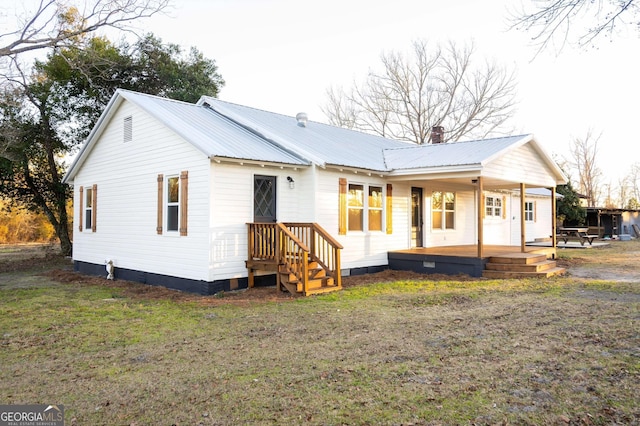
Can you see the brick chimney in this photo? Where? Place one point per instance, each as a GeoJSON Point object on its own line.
{"type": "Point", "coordinates": [437, 134]}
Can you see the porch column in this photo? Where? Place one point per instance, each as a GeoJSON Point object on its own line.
{"type": "Point", "coordinates": [480, 216]}
{"type": "Point", "coordinates": [554, 224]}
{"type": "Point", "coordinates": [523, 224]}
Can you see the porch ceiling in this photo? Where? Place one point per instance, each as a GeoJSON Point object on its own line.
{"type": "Point", "coordinates": [467, 181]}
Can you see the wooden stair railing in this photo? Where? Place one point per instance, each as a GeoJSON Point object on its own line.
{"type": "Point", "coordinates": [305, 257]}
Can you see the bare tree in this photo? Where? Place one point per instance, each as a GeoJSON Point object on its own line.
{"type": "Point", "coordinates": [584, 154]}
{"type": "Point", "coordinates": [634, 186]}
{"type": "Point", "coordinates": [435, 86]}
{"type": "Point", "coordinates": [57, 23]}
{"type": "Point", "coordinates": [553, 20]}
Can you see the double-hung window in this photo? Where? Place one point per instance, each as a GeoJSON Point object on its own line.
{"type": "Point", "coordinates": [356, 207]}
{"type": "Point", "coordinates": [88, 206]}
{"type": "Point", "coordinates": [493, 206]}
{"type": "Point", "coordinates": [374, 207]}
{"type": "Point", "coordinates": [443, 210]}
{"type": "Point", "coordinates": [365, 207]}
{"type": "Point", "coordinates": [529, 211]}
{"type": "Point", "coordinates": [173, 203]}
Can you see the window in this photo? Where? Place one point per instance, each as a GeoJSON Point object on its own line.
{"type": "Point", "coordinates": [362, 207]}
{"type": "Point", "coordinates": [375, 208]}
{"type": "Point", "coordinates": [173, 203]}
{"type": "Point", "coordinates": [443, 206]}
{"type": "Point", "coordinates": [529, 211]}
{"type": "Point", "coordinates": [493, 206]}
{"type": "Point", "coordinates": [88, 208]}
{"type": "Point", "coordinates": [128, 129]}
{"type": "Point", "coordinates": [356, 207]}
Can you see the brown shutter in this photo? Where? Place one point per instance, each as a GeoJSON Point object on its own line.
{"type": "Point", "coordinates": [484, 206]}
{"type": "Point", "coordinates": [160, 207]}
{"type": "Point", "coordinates": [342, 207]}
{"type": "Point", "coordinates": [184, 188]}
{"type": "Point", "coordinates": [535, 211]}
{"type": "Point", "coordinates": [81, 208]}
{"type": "Point", "coordinates": [504, 207]}
{"type": "Point", "coordinates": [389, 208]}
{"type": "Point", "coordinates": [94, 208]}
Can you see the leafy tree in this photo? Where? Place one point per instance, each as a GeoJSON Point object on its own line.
{"type": "Point", "coordinates": [443, 86]}
{"type": "Point", "coordinates": [46, 115]}
{"type": "Point", "coordinates": [568, 208]}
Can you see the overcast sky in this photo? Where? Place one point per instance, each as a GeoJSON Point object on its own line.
{"type": "Point", "coordinates": [282, 55]}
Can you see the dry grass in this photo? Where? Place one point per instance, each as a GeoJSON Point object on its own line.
{"type": "Point", "coordinates": [390, 349]}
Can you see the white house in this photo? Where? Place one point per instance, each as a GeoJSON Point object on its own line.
{"type": "Point", "coordinates": [187, 195]}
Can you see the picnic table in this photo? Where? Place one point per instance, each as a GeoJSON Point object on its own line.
{"type": "Point", "coordinates": [581, 234]}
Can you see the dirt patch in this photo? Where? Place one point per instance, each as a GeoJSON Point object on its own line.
{"type": "Point", "coordinates": [617, 265]}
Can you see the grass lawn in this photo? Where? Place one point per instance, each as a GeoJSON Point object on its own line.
{"type": "Point", "coordinates": [409, 351]}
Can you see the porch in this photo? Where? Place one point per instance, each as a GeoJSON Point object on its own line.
{"type": "Point", "coordinates": [496, 261]}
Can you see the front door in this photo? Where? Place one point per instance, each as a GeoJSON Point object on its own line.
{"type": "Point", "coordinates": [264, 198]}
{"type": "Point", "coordinates": [416, 217]}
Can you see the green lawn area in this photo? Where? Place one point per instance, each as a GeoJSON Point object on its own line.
{"type": "Point", "coordinates": [555, 351]}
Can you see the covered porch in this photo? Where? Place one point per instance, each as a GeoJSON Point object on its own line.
{"type": "Point", "coordinates": [464, 259]}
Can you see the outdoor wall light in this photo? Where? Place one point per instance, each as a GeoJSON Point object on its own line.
{"type": "Point", "coordinates": [474, 181]}
{"type": "Point", "coordinates": [292, 183]}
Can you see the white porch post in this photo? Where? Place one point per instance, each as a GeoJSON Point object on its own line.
{"type": "Point", "coordinates": [523, 225]}
{"type": "Point", "coordinates": [480, 217]}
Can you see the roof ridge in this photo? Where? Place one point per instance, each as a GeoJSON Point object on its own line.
{"type": "Point", "coordinates": [425, 145]}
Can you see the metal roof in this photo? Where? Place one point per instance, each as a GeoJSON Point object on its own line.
{"type": "Point", "coordinates": [211, 133]}
{"type": "Point", "coordinates": [229, 131]}
{"type": "Point", "coordinates": [319, 143]}
{"type": "Point", "coordinates": [452, 154]}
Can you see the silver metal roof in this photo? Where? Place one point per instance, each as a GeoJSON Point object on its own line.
{"type": "Point", "coordinates": [450, 154]}
{"type": "Point", "coordinates": [319, 143]}
{"type": "Point", "coordinates": [211, 133]}
{"type": "Point", "coordinates": [229, 131]}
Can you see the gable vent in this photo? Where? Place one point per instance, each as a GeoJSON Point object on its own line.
{"type": "Point", "coordinates": [128, 129]}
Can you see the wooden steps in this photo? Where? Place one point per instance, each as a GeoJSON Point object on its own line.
{"type": "Point", "coordinates": [521, 265]}
{"type": "Point", "coordinates": [317, 283]}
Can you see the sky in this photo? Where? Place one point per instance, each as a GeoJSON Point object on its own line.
{"type": "Point", "coordinates": [283, 55]}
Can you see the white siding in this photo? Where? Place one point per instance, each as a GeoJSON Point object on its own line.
{"type": "Point", "coordinates": [368, 248]}
{"type": "Point", "coordinates": [465, 229]}
{"type": "Point", "coordinates": [540, 227]}
{"type": "Point", "coordinates": [232, 209]}
{"type": "Point", "coordinates": [126, 175]}
{"type": "Point", "coordinates": [521, 165]}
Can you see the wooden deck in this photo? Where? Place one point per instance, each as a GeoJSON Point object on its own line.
{"type": "Point", "coordinates": [472, 250]}
{"type": "Point", "coordinates": [464, 259]}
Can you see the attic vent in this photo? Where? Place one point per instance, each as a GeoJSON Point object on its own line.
{"type": "Point", "coordinates": [128, 129]}
{"type": "Point", "coordinates": [302, 118]}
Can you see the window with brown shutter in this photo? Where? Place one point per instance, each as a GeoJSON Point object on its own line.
{"type": "Point", "coordinates": [160, 204]}
{"type": "Point", "coordinates": [94, 210]}
{"type": "Point", "coordinates": [173, 196]}
{"type": "Point", "coordinates": [80, 208]}
{"type": "Point", "coordinates": [389, 208]}
{"type": "Point", "coordinates": [184, 186]}
{"type": "Point", "coordinates": [342, 207]}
